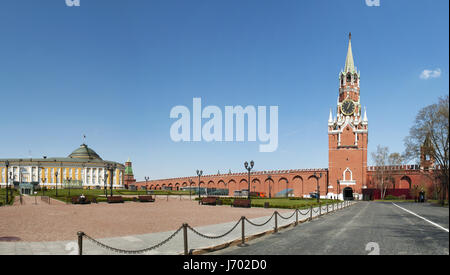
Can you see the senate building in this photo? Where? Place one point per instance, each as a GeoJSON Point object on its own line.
{"type": "Point", "coordinates": [83, 168]}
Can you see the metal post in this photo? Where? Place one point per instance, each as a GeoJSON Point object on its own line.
{"type": "Point", "coordinates": [56, 181]}
{"type": "Point", "coordinates": [111, 180]}
{"type": "Point", "coordinates": [327, 207]}
{"type": "Point", "coordinates": [199, 174]}
{"type": "Point", "coordinates": [7, 181]}
{"type": "Point", "coordinates": [186, 251]}
{"type": "Point", "coordinates": [80, 243]}
{"type": "Point", "coordinates": [243, 230]}
{"type": "Point", "coordinates": [249, 168]}
{"type": "Point", "coordinates": [320, 209]}
{"type": "Point", "coordinates": [310, 212]}
{"type": "Point", "coordinates": [276, 221]}
{"type": "Point", "coordinates": [296, 217]}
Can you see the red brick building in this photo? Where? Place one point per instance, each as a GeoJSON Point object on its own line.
{"type": "Point", "coordinates": [347, 175]}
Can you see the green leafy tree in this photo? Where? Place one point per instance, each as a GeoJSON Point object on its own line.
{"type": "Point", "coordinates": [431, 127]}
{"type": "Point", "coordinates": [384, 174]}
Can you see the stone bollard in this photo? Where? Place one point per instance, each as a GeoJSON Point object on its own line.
{"type": "Point", "coordinates": [276, 221]}
{"type": "Point", "coordinates": [243, 230]}
{"type": "Point", "coordinates": [185, 238]}
{"type": "Point", "coordinates": [80, 243]}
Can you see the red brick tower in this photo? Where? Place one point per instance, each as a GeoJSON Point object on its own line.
{"type": "Point", "coordinates": [348, 136]}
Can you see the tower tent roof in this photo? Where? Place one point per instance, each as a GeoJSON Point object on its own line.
{"type": "Point", "coordinates": [128, 170]}
{"type": "Point", "coordinates": [349, 63]}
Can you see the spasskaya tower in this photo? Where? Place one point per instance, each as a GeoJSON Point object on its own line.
{"type": "Point", "coordinates": [348, 135]}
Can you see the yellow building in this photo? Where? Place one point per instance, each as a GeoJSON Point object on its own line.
{"type": "Point", "coordinates": [83, 168]}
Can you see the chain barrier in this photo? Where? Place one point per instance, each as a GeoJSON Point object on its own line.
{"type": "Point", "coordinates": [140, 251]}
{"type": "Point", "coordinates": [307, 212]}
{"type": "Point", "coordinates": [287, 217]}
{"type": "Point", "coordinates": [214, 237]}
{"type": "Point", "coordinates": [185, 226]}
{"type": "Point", "coordinates": [262, 224]}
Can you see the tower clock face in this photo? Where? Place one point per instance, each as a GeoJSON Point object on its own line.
{"type": "Point", "coordinates": [348, 107]}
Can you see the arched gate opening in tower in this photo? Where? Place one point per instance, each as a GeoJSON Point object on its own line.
{"type": "Point", "coordinates": [348, 194]}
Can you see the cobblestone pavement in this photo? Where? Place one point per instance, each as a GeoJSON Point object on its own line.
{"type": "Point", "coordinates": [51, 229]}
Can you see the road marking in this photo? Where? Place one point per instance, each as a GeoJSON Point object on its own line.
{"type": "Point", "coordinates": [435, 224]}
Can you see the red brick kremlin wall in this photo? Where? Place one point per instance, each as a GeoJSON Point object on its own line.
{"type": "Point", "coordinates": [303, 181]}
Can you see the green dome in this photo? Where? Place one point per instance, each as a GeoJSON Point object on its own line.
{"type": "Point", "coordinates": [84, 152]}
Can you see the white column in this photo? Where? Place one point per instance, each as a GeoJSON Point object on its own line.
{"type": "Point", "coordinates": [97, 177]}
{"type": "Point", "coordinates": [85, 176]}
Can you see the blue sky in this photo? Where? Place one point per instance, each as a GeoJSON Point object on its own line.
{"type": "Point", "coordinates": [114, 69]}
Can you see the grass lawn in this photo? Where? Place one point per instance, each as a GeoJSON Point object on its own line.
{"type": "Point", "coordinates": [289, 203]}
{"type": "Point", "coordinates": [3, 196]}
{"type": "Point", "coordinates": [99, 194]}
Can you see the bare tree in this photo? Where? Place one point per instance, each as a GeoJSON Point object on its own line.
{"type": "Point", "coordinates": [384, 170]}
{"type": "Point", "coordinates": [432, 126]}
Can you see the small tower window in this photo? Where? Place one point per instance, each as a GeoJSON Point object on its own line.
{"type": "Point", "coordinates": [349, 78]}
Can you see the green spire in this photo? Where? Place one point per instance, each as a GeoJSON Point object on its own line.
{"type": "Point", "coordinates": [349, 64]}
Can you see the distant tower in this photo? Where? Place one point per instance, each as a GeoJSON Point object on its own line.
{"type": "Point", "coordinates": [427, 160]}
{"type": "Point", "coordinates": [128, 175]}
{"type": "Point", "coordinates": [348, 135]}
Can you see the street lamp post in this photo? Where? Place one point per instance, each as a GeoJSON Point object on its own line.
{"type": "Point", "coordinates": [190, 188]}
{"type": "Point", "coordinates": [287, 186]}
{"type": "Point", "coordinates": [43, 179]}
{"type": "Point", "coordinates": [318, 186]}
{"type": "Point", "coordinates": [105, 181]}
{"type": "Point", "coordinates": [43, 188]}
{"type": "Point", "coordinates": [113, 168]}
{"type": "Point", "coordinates": [269, 178]}
{"type": "Point", "coordinates": [146, 185]}
{"type": "Point", "coordinates": [56, 182]}
{"type": "Point", "coordinates": [69, 180]}
{"type": "Point", "coordinates": [7, 181]}
{"type": "Point", "coordinates": [199, 174]}
{"type": "Point", "coordinates": [249, 168]}
{"type": "Point", "coordinates": [11, 178]}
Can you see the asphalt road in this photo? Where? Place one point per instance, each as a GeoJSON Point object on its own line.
{"type": "Point", "coordinates": [364, 228]}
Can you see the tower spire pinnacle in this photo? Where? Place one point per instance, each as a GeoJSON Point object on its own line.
{"type": "Point", "coordinates": [365, 115]}
{"type": "Point", "coordinates": [349, 63]}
